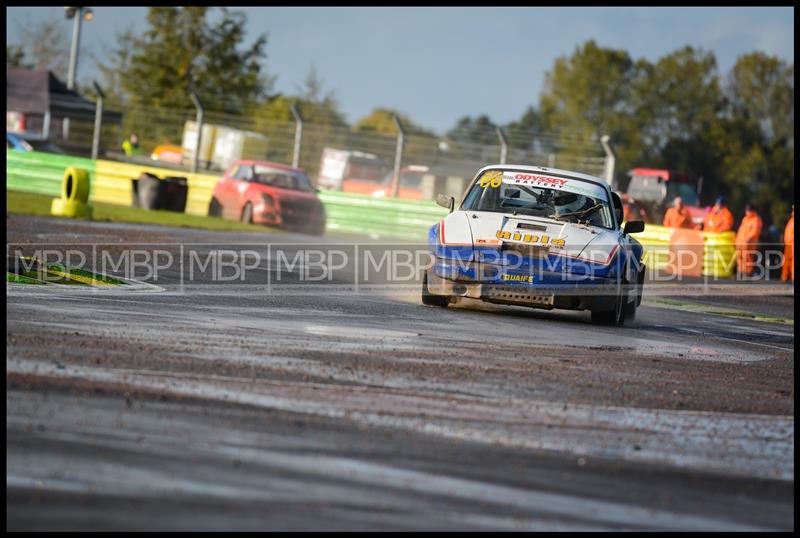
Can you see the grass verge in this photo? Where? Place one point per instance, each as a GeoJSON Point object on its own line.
{"type": "Point", "coordinates": [708, 309]}
{"type": "Point", "coordinates": [26, 203]}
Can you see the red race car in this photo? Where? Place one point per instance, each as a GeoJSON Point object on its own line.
{"type": "Point", "coordinates": [262, 192]}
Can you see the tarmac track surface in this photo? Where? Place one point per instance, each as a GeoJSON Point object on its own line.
{"type": "Point", "coordinates": [197, 406]}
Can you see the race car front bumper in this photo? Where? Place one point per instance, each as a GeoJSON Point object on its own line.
{"type": "Point", "coordinates": [594, 294]}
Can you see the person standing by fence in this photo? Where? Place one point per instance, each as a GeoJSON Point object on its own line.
{"type": "Point", "coordinates": [678, 216]}
{"type": "Point", "coordinates": [787, 271]}
{"type": "Point", "coordinates": [131, 146]}
{"type": "Point", "coordinates": [719, 218]}
{"type": "Point", "coordinates": [747, 240]}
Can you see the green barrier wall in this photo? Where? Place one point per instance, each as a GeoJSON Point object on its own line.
{"type": "Point", "coordinates": [39, 172]}
{"type": "Point", "coordinates": [349, 213]}
{"type": "Point", "coordinates": [380, 217]}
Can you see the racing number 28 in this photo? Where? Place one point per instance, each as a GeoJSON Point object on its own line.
{"type": "Point", "coordinates": [491, 179]}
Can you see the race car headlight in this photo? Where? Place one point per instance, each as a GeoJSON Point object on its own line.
{"type": "Point", "coordinates": [267, 199]}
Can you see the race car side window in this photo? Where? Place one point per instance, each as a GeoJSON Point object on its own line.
{"type": "Point", "coordinates": [471, 199]}
{"type": "Point", "coordinates": [618, 209]}
{"type": "Point", "coordinates": [244, 173]}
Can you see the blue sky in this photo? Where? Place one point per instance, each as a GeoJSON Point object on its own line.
{"type": "Point", "coordinates": [438, 64]}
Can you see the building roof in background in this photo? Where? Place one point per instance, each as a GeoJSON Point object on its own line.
{"type": "Point", "coordinates": [36, 91]}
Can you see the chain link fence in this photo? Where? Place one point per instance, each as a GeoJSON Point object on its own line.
{"type": "Point", "coordinates": [251, 135]}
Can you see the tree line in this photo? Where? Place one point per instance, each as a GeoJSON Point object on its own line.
{"type": "Point", "coordinates": [734, 129]}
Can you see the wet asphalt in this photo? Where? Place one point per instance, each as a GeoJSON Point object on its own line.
{"type": "Point", "coordinates": [298, 404]}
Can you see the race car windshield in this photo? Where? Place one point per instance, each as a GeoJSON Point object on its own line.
{"type": "Point", "coordinates": [284, 180]}
{"type": "Point", "coordinates": [539, 196]}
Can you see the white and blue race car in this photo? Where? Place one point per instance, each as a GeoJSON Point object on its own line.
{"type": "Point", "coordinates": [539, 237]}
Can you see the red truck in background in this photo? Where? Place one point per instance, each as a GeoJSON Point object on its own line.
{"type": "Point", "coordinates": [338, 166]}
{"type": "Point", "coordinates": [410, 187]}
{"type": "Point", "coordinates": [654, 189]}
{"type": "Point", "coordinates": [365, 173]}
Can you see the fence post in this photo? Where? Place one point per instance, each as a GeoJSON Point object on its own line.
{"type": "Point", "coordinates": [398, 156]}
{"type": "Point", "coordinates": [608, 169]}
{"type": "Point", "coordinates": [98, 120]}
{"type": "Point", "coordinates": [503, 144]}
{"type": "Point", "coordinates": [46, 126]}
{"type": "Point", "coordinates": [298, 135]}
{"type": "Point", "coordinates": [199, 122]}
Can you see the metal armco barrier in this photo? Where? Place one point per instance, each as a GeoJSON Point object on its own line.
{"type": "Point", "coordinates": [350, 213]}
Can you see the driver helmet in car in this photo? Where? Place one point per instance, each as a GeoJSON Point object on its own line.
{"type": "Point", "coordinates": [568, 202]}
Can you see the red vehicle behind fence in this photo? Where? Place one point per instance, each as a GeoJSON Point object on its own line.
{"type": "Point", "coordinates": [263, 192]}
{"type": "Point", "coordinates": [656, 188]}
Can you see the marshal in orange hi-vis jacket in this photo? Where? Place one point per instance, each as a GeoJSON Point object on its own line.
{"type": "Point", "coordinates": [747, 240]}
{"type": "Point", "coordinates": [678, 216]}
{"type": "Point", "coordinates": [719, 218]}
{"type": "Point", "coordinates": [787, 271]}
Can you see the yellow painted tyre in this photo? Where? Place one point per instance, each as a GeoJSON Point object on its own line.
{"type": "Point", "coordinates": [75, 186]}
{"type": "Point", "coordinates": [71, 209]}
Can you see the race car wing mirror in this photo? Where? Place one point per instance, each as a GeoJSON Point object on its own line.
{"type": "Point", "coordinates": [617, 202]}
{"type": "Point", "coordinates": [446, 201]}
{"type": "Point", "coordinates": [633, 227]}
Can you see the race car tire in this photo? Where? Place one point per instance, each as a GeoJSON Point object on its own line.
{"type": "Point", "coordinates": [247, 213]}
{"type": "Point", "coordinates": [430, 299]}
{"type": "Point", "coordinates": [630, 308]}
{"type": "Point", "coordinates": [640, 282]}
{"type": "Point", "coordinates": [318, 230]}
{"type": "Point", "coordinates": [313, 229]}
{"type": "Point", "coordinates": [615, 317]}
{"type": "Point", "coordinates": [214, 208]}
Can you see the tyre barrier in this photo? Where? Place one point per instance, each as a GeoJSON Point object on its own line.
{"type": "Point", "coordinates": [150, 192]}
{"type": "Point", "coordinates": [75, 186]}
{"type": "Point", "coordinates": [115, 182]}
{"type": "Point", "coordinates": [174, 192]}
{"type": "Point", "coordinates": [719, 256]}
{"type": "Point", "coordinates": [74, 201]}
{"type": "Point", "coordinates": [70, 208]}
{"type": "Point", "coordinates": [663, 246]}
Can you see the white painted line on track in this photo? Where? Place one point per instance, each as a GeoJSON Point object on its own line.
{"type": "Point", "coordinates": [704, 333]}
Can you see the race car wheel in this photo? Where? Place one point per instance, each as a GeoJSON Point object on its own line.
{"type": "Point", "coordinates": [430, 299]}
{"type": "Point", "coordinates": [319, 229]}
{"type": "Point", "coordinates": [630, 308]}
{"type": "Point", "coordinates": [640, 282]}
{"type": "Point", "coordinates": [247, 213]}
{"type": "Point", "coordinates": [615, 317]}
{"type": "Point", "coordinates": [214, 208]}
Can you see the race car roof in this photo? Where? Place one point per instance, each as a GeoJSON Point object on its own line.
{"type": "Point", "coordinates": [545, 170]}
